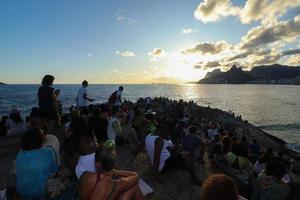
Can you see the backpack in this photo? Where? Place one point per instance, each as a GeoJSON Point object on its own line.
{"type": "Point", "coordinates": [113, 97]}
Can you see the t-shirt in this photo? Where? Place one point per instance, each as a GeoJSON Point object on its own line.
{"type": "Point", "coordinates": [33, 168]}
{"type": "Point", "coordinates": [190, 143]}
{"type": "Point", "coordinates": [46, 100]}
{"type": "Point", "coordinates": [150, 148]}
{"type": "Point", "coordinates": [118, 97]}
{"type": "Point", "coordinates": [86, 163]}
{"type": "Point", "coordinates": [111, 133]}
{"type": "Point", "coordinates": [212, 133]}
{"type": "Point", "coordinates": [15, 128]}
{"type": "Point", "coordinates": [81, 101]}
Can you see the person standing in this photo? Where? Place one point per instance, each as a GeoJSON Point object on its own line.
{"type": "Point", "coordinates": [47, 102]}
{"type": "Point", "coordinates": [82, 97]}
{"type": "Point", "coordinates": [115, 98]}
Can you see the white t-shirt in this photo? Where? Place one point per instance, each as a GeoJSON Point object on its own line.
{"type": "Point", "coordinates": [81, 101]}
{"type": "Point", "coordinates": [85, 163]}
{"type": "Point", "coordinates": [111, 133]}
{"type": "Point", "coordinates": [15, 128]}
{"type": "Point", "coordinates": [212, 133]}
{"type": "Point", "coordinates": [53, 142]}
{"type": "Point", "coordinates": [118, 96]}
{"type": "Point", "coordinates": [150, 147]}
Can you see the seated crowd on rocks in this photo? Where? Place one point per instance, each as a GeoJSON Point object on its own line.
{"type": "Point", "coordinates": [82, 144]}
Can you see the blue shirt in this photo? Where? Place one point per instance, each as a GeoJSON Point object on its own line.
{"type": "Point", "coordinates": [33, 168]}
{"type": "Point", "coordinates": [190, 143]}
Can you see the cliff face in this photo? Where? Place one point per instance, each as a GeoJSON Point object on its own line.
{"type": "Point", "coordinates": [237, 76]}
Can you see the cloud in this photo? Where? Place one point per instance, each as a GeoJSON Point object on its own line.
{"type": "Point", "coordinates": [283, 31]}
{"type": "Point", "coordinates": [188, 30]}
{"type": "Point", "coordinates": [214, 10]}
{"type": "Point", "coordinates": [90, 54]}
{"type": "Point", "coordinates": [293, 60]}
{"type": "Point", "coordinates": [291, 52]}
{"type": "Point", "coordinates": [208, 48]}
{"type": "Point", "coordinates": [157, 53]}
{"type": "Point", "coordinates": [125, 53]}
{"type": "Point", "coordinates": [207, 65]}
{"type": "Point", "coordinates": [120, 16]}
{"type": "Point", "coordinates": [253, 10]}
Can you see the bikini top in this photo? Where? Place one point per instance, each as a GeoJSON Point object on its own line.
{"type": "Point", "coordinates": [98, 181]}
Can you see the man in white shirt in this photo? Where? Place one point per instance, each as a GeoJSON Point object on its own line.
{"type": "Point", "coordinates": [82, 97]}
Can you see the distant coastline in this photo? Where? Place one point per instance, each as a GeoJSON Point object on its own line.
{"type": "Point", "coordinates": [2, 83]}
{"type": "Point", "coordinates": [266, 74]}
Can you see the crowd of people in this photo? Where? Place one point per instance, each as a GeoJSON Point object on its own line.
{"type": "Point", "coordinates": [164, 129]}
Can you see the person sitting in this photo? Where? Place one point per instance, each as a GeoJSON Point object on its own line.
{"type": "Point", "coordinates": [107, 183]}
{"type": "Point", "coordinates": [15, 124]}
{"type": "Point", "coordinates": [260, 164]}
{"type": "Point", "coordinates": [34, 165]}
{"type": "Point", "coordinates": [220, 187]}
{"type": "Point", "coordinates": [212, 131]}
{"type": "Point", "coordinates": [269, 184]}
{"type": "Point", "coordinates": [192, 142]}
{"type": "Point", "coordinates": [98, 125]}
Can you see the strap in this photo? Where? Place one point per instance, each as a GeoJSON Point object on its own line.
{"type": "Point", "coordinates": [112, 191]}
{"type": "Point", "coordinates": [92, 191]}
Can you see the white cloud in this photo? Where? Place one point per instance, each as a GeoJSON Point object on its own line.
{"type": "Point", "coordinates": [125, 53]}
{"type": "Point", "coordinates": [90, 54]}
{"type": "Point", "coordinates": [188, 30]}
{"type": "Point", "coordinates": [253, 10]}
{"type": "Point", "coordinates": [208, 48]}
{"type": "Point", "coordinates": [157, 53]}
{"type": "Point", "coordinates": [293, 60]}
{"type": "Point", "coordinates": [120, 16]}
{"type": "Point", "coordinates": [214, 10]}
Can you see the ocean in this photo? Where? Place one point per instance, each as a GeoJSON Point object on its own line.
{"type": "Point", "coordinates": [273, 108]}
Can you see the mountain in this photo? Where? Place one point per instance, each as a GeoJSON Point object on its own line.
{"type": "Point", "coordinates": [260, 74]}
{"type": "Point", "coordinates": [2, 83]}
{"type": "Point", "coordinates": [234, 76]}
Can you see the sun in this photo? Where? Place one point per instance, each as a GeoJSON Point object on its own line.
{"type": "Point", "coordinates": [182, 68]}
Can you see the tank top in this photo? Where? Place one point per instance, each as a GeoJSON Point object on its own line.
{"type": "Point", "coordinates": [111, 133]}
{"type": "Point", "coordinates": [150, 146]}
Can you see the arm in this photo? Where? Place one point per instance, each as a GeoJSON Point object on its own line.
{"type": "Point", "coordinates": [127, 179]}
{"type": "Point", "coordinates": [157, 151]}
{"type": "Point", "coordinates": [86, 97]}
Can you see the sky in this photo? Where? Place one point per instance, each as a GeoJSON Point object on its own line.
{"type": "Point", "coordinates": [141, 41]}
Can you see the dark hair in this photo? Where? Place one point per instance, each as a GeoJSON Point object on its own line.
{"type": "Point", "coordinates": [192, 129]}
{"type": "Point", "coordinates": [48, 80]}
{"type": "Point", "coordinates": [115, 110]}
{"type": "Point", "coordinates": [106, 157]}
{"type": "Point", "coordinates": [78, 125]}
{"type": "Point", "coordinates": [219, 187]}
{"type": "Point", "coordinates": [84, 82]}
{"type": "Point", "coordinates": [16, 117]}
{"type": "Point", "coordinates": [275, 168]}
{"type": "Point", "coordinates": [96, 111]}
{"type": "Point", "coordinates": [239, 150]}
{"type": "Point", "coordinates": [35, 112]}
{"type": "Point", "coordinates": [121, 88]}
{"type": "Point", "coordinates": [32, 139]}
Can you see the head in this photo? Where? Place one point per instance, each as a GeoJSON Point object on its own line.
{"type": "Point", "coordinates": [104, 159]}
{"type": "Point", "coordinates": [239, 150]}
{"type": "Point", "coordinates": [219, 186]}
{"type": "Point", "coordinates": [275, 168]}
{"type": "Point", "coordinates": [96, 111]}
{"type": "Point", "coordinates": [48, 80]}
{"type": "Point", "coordinates": [15, 115]}
{"type": "Point", "coordinates": [33, 139]}
{"type": "Point", "coordinates": [85, 83]}
{"type": "Point", "coordinates": [115, 111]}
{"type": "Point", "coordinates": [121, 88]}
{"type": "Point", "coordinates": [57, 92]}
{"type": "Point", "coordinates": [192, 129]}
